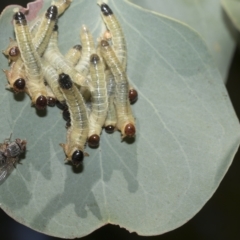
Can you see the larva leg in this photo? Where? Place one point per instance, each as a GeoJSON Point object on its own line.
{"type": "Point", "coordinates": [88, 48]}
{"type": "Point", "coordinates": [16, 76]}
{"type": "Point", "coordinates": [78, 131]}
{"type": "Point", "coordinates": [99, 100]}
{"type": "Point", "coordinates": [31, 59]}
{"type": "Point", "coordinates": [74, 54]}
{"type": "Point", "coordinates": [125, 119]}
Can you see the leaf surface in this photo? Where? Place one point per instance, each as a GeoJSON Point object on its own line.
{"type": "Point", "coordinates": [187, 135]}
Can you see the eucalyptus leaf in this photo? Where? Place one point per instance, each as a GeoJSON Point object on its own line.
{"type": "Point", "coordinates": [207, 18]}
{"type": "Point", "coordinates": [232, 8]}
{"type": "Point", "coordinates": [187, 135]}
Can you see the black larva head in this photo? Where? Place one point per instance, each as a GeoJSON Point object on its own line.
{"type": "Point", "coordinates": [41, 102]}
{"type": "Point", "coordinates": [94, 58]}
{"type": "Point", "coordinates": [19, 84]}
{"type": "Point", "coordinates": [65, 81]}
{"type": "Point", "coordinates": [78, 47]}
{"type": "Point", "coordinates": [20, 18]}
{"type": "Point", "coordinates": [106, 10]}
{"type": "Point", "coordinates": [77, 158]}
{"type": "Point", "coordinates": [52, 13]}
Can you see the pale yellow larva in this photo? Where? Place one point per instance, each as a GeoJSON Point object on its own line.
{"type": "Point", "coordinates": [117, 36]}
{"type": "Point", "coordinates": [99, 100]}
{"type": "Point", "coordinates": [78, 131]}
{"type": "Point", "coordinates": [51, 76]}
{"type": "Point", "coordinates": [16, 76]}
{"type": "Point", "coordinates": [88, 48]}
{"type": "Point", "coordinates": [111, 118]}
{"type": "Point", "coordinates": [74, 54]}
{"type": "Point", "coordinates": [31, 59]}
{"type": "Point", "coordinates": [57, 60]}
{"type": "Point", "coordinates": [125, 119]}
{"type": "Point", "coordinates": [12, 51]}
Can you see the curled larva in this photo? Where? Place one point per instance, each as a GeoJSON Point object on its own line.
{"type": "Point", "coordinates": [44, 31]}
{"type": "Point", "coordinates": [117, 36]}
{"type": "Point", "coordinates": [78, 131]}
{"type": "Point", "coordinates": [51, 76]}
{"type": "Point", "coordinates": [88, 48]}
{"type": "Point", "coordinates": [57, 60]}
{"type": "Point", "coordinates": [32, 63]}
{"type": "Point", "coordinates": [16, 76]}
{"type": "Point", "coordinates": [9, 156]}
{"type": "Point", "coordinates": [12, 51]}
{"type": "Point", "coordinates": [125, 119]}
{"type": "Point", "coordinates": [99, 100]}
{"type": "Point", "coordinates": [111, 118]}
{"type": "Point", "coordinates": [74, 54]}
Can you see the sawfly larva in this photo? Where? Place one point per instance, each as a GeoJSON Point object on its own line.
{"type": "Point", "coordinates": [57, 60]}
{"type": "Point", "coordinates": [9, 156]}
{"type": "Point", "coordinates": [78, 131]}
{"type": "Point", "coordinates": [32, 63]}
{"type": "Point", "coordinates": [117, 36]}
{"type": "Point", "coordinates": [74, 54]}
{"type": "Point", "coordinates": [125, 119]}
{"type": "Point", "coordinates": [16, 76]}
{"type": "Point", "coordinates": [99, 100]}
{"type": "Point", "coordinates": [12, 52]}
{"type": "Point", "coordinates": [88, 48]}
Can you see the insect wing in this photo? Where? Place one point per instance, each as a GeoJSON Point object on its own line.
{"type": "Point", "coordinates": [6, 169]}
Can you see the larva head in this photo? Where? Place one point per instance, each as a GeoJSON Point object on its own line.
{"type": "Point", "coordinates": [104, 43]}
{"type": "Point", "coordinates": [78, 47]}
{"type": "Point", "coordinates": [20, 18]}
{"type": "Point", "coordinates": [65, 81]}
{"type": "Point", "coordinates": [129, 130]}
{"type": "Point", "coordinates": [133, 95]}
{"type": "Point", "coordinates": [77, 158]}
{"type": "Point", "coordinates": [94, 59]}
{"type": "Point", "coordinates": [106, 10]}
{"type": "Point", "coordinates": [19, 85]}
{"type": "Point", "coordinates": [41, 102]}
{"type": "Point", "coordinates": [93, 141]}
{"type": "Point", "coordinates": [12, 53]}
{"type": "Point", "coordinates": [52, 13]}
{"type": "Point", "coordinates": [51, 101]}
{"type": "Point", "coordinates": [109, 129]}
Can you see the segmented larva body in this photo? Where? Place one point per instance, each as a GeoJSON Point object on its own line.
{"type": "Point", "coordinates": [125, 119]}
{"type": "Point", "coordinates": [31, 59]}
{"type": "Point", "coordinates": [111, 118]}
{"type": "Point", "coordinates": [51, 76]}
{"type": "Point", "coordinates": [88, 48]}
{"type": "Point", "coordinates": [57, 60]}
{"type": "Point", "coordinates": [44, 31]}
{"type": "Point", "coordinates": [117, 36]}
{"type": "Point", "coordinates": [74, 54]}
{"type": "Point", "coordinates": [16, 76]}
{"type": "Point", "coordinates": [99, 100]}
{"type": "Point", "coordinates": [78, 131]}
{"type": "Point", "coordinates": [12, 51]}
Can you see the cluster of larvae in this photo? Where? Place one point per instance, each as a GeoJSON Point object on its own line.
{"type": "Point", "coordinates": [89, 83]}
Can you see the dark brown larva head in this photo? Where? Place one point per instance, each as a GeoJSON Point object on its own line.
{"type": "Point", "coordinates": [52, 13]}
{"type": "Point", "coordinates": [94, 59]}
{"type": "Point", "coordinates": [20, 18]}
{"type": "Point", "coordinates": [106, 10]}
{"type": "Point", "coordinates": [61, 105]}
{"type": "Point", "coordinates": [66, 114]}
{"type": "Point", "coordinates": [65, 81]}
{"type": "Point", "coordinates": [19, 85]}
{"type": "Point", "coordinates": [78, 47]}
{"type": "Point", "coordinates": [77, 158]}
{"type": "Point", "coordinates": [130, 130]}
{"type": "Point", "coordinates": [104, 43]}
{"type": "Point", "coordinates": [51, 102]}
{"type": "Point", "coordinates": [133, 95]}
{"type": "Point", "coordinates": [109, 129]}
{"type": "Point", "coordinates": [93, 141]}
{"type": "Point", "coordinates": [14, 52]}
{"type": "Point", "coordinates": [41, 102]}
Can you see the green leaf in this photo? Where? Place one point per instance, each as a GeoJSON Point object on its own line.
{"type": "Point", "coordinates": [207, 19]}
{"type": "Point", "coordinates": [232, 8]}
{"type": "Point", "coordinates": [187, 136]}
